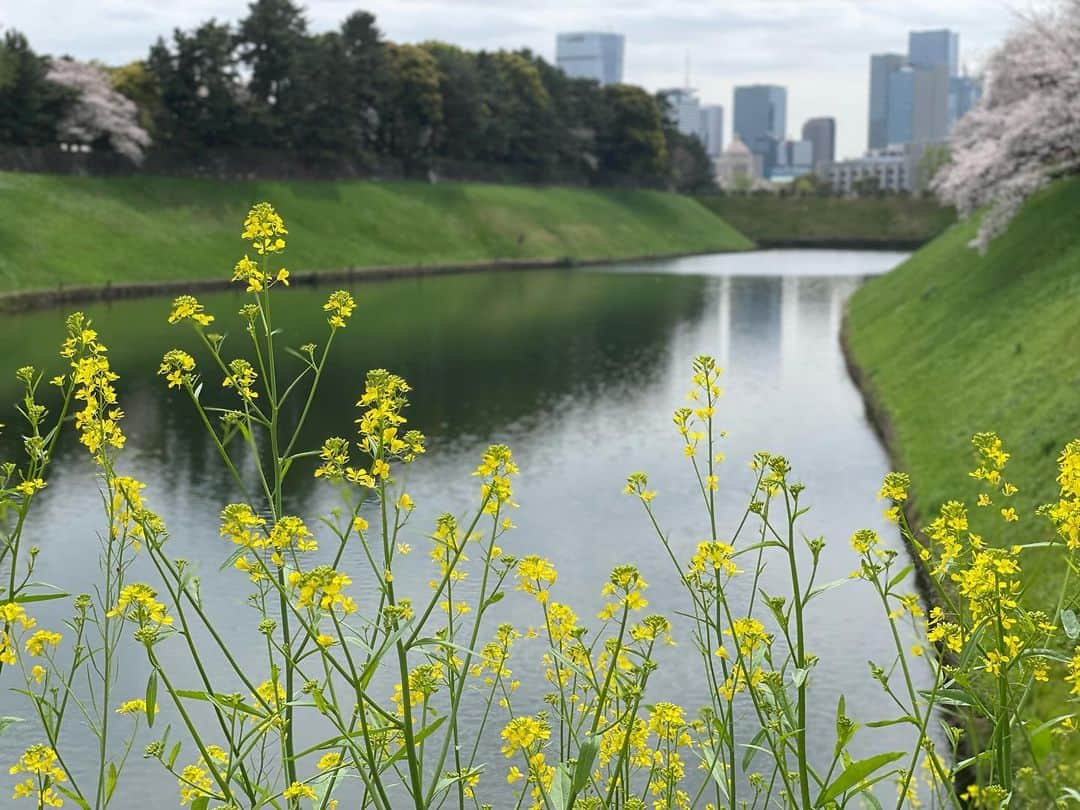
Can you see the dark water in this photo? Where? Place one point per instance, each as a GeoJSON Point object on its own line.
{"type": "Point", "coordinates": [578, 371]}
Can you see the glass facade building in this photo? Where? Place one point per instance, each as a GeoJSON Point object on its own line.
{"type": "Point", "coordinates": [591, 55]}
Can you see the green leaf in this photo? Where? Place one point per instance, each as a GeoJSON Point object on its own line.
{"type": "Point", "coordinates": [907, 718]}
{"type": "Point", "coordinates": [559, 791]}
{"type": "Point", "coordinates": [200, 803]}
{"type": "Point", "coordinates": [25, 599]}
{"type": "Point", "coordinates": [586, 758]}
{"type": "Point", "coordinates": [73, 796]}
{"type": "Point", "coordinates": [900, 577]}
{"type": "Point", "coordinates": [151, 699]}
{"type": "Point", "coordinates": [6, 722]}
{"type": "Point", "coordinates": [110, 781]}
{"type": "Point", "coordinates": [854, 774]}
{"type": "Point", "coordinates": [172, 756]}
{"type": "Point", "coordinates": [1071, 624]}
{"type": "Point", "coordinates": [828, 586]}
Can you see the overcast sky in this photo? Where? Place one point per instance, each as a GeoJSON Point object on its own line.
{"type": "Point", "coordinates": [819, 49]}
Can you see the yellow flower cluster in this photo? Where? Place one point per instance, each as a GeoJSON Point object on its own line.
{"type": "Point", "coordinates": [42, 767]}
{"type": "Point", "coordinates": [138, 603]}
{"type": "Point", "coordinates": [98, 420]}
{"type": "Point", "coordinates": [177, 367]}
{"type": "Point", "coordinates": [524, 733]}
{"type": "Point", "coordinates": [1065, 513]}
{"type": "Point", "coordinates": [321, 588]}
{"type": "Point", "coordinates": [496, 467]}
{"type": "Point", "coordinates": [241, 376]}
{"type": "Point", "coordinates": [187, 307]}
{"type": "Point", "coordinates": [340, 305]}
{"type": "Point", "coordinates": [625, 585]}
{"type": "Point", "coordinates": [535, 576]}
{"type": "Point", "coordinates": [264, 228]}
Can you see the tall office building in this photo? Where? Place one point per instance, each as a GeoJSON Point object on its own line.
{"type": "Point", "coordinates": [821, 133]}
{"type": "Point", "coordinates": [591, 55]}
{"type": "Point", "coordinates": [712, 129]}
{"type": "Point", "coordinates": [927, 49]}
{"type": "Point", "coordinates": [761, 120]}
{"type": "Point", "coordinates": [882, 67]}
{"type": "Point", "coordinates": [919, 98]}
{"type": "Point", "coordinates": [684, 110]}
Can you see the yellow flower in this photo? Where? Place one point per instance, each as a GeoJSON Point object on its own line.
{"type": "Point", "coordinates": [188, 307]}
{"type": "Point", "coordinates": [176, 366]}
{"type": "Point", "coordinates": [329, 760]}
{"type": "Point", "coordinates": [340, 305]}
{"type": "Point", "coordinates": [523, 732]}
{"type": "Point", "coordinates": [264, 228]}
{"type": "Point", "coordinates": [35, 645]}
{"type": "Point", "coordinates": [42, 767]}
{"type": "Point", "coordinates": [30, 486]}
{"type": "Point", "coordinates": [38, 673]}
{"type": "Point", "coordinates": [132, 707]}
{"type": "Point", "coordinates": [298, 790]}
{"type": "Point", "coordinates": [1009, 515]}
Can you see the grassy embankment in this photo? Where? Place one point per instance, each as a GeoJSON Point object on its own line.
{"type": "Point", "coordinates": [94, 231]}
{"type": "Point", "coordinates": [877, 222]}
{"type": "Point", "coordinates": [952, 343]}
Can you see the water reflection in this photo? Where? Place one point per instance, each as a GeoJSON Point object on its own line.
{"type": "Point", "coordinates": [578, 372]}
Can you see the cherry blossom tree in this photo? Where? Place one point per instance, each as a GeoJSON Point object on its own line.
{"type": "Point", "coordinates": [99, 111]}
{"type": "Point", "coordinates": [1026, 130]}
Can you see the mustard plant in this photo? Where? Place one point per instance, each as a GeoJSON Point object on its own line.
{"type": "Point", "coordinates": [398, 689]}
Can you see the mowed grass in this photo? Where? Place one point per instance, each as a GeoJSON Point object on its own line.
{"type": "Point", "coordinates": [76, 230]}
{"type": "Point", "coordinates": [833, 220]}
{"type": "Point", "coordinates": [954, 343]}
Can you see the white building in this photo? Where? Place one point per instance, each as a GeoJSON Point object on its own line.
{"type": "Point", "coordinates": [892, 168]}
{"type": "Point", "coordinates": [711, 131]}
{"type": "Point", "coordinates": [737, 167]}
{"type": "Point", "coordinates": [591, 55]}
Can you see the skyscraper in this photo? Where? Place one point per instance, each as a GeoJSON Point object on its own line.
{"type": "Point", "coordinates": [927, 49]}
{"type": "Point", "coordinates": [821, 132]}
{"type": "Point", "coordinates": [761, 120]}
{"type": "Point", "coordinates": [882, 66]}
{"type": "Point", "coordinates": [591, 55]}
{"type": "Point", "coordinates": [684, 110]}
{"type": "Point", "coordinates": [712, 129]}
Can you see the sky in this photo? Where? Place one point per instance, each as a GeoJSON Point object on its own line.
{"type": "Point", "coordinates": [818, 49]}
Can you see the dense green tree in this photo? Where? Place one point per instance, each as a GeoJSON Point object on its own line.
{"type": "Point", "coordinates": [31, 106]}
{"type": "Point", "coordinates": [465, 110]}
{"type": "Point", "coordinates": [360, 77]}
{"type": "Point", "coordinates": [690, 169]}
{"type": "Point", "coordinates": [199, 89]}
{"type": "Point", "coordinates": [273, 44]}
{"type": "Point", "coordinates": [631, 140]}
{"type": "Point", "coordinates": [412, 113]}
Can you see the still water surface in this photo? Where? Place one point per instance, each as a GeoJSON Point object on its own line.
{"type": "Point", "coordinates": [578, 371]}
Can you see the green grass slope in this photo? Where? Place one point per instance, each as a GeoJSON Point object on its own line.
{"type": "Point", "coordinates": [953, 343]}
{"type": "Point", "coordinates": [832, 221]}
{"type": "Point", "coordinates": [77, 230]}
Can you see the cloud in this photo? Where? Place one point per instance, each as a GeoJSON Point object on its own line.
{"type": "Point", "coordinates": [819, 49]}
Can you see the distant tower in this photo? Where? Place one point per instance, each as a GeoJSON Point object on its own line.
{"type": "Point", "coordinates": [821, 132]}
{"type": "Point", "coordinates": [591, 55]}
{"type": "Point", "coordinates": [761, 120]}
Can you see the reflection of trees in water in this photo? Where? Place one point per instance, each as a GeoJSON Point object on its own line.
{"type": "Point", "coordinates": [482, 351]}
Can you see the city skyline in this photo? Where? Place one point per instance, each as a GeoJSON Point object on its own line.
{"type": "Point", "coordinates": [819, 49]}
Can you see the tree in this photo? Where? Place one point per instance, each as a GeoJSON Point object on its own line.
{"type": "Point", "coordinates": [99, 113]}
{"type": "Point", "coordinates": [631, 140]}
{"type": "Point", "coordinates": [519, 109]}
{"type": "Point", "coordinates": [31, 106]}
{"type": "Point", "coordinates": [199, 88]}
{"type": "Point", "coordinates": [690, 169]}
{"type": "Point", "coordinates": [272, 41]}
{"type": "Point", "coordinates": [1026, 129]}
{"type": "Point", "coordinates": [135, 81]}
{"type": "Point", "coordinates": [466, 113]}
{"type": "Point", "coordinates": [412, 116]}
